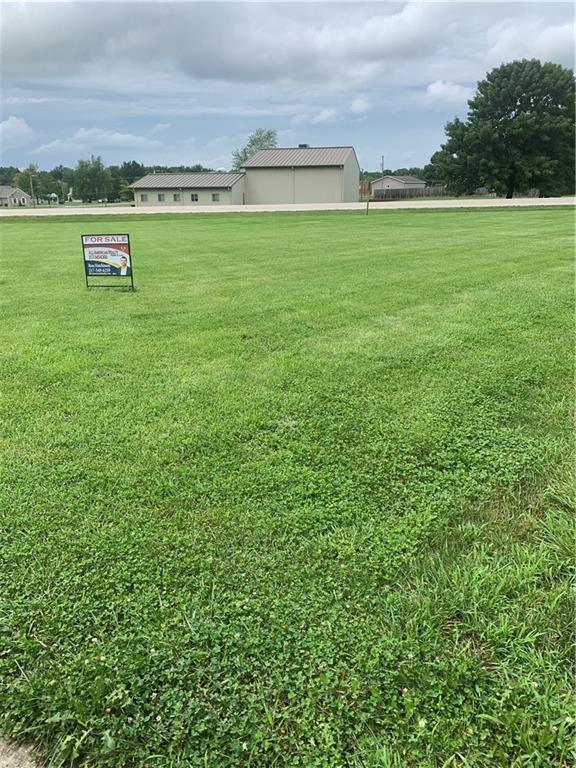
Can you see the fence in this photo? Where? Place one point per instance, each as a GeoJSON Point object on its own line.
{"type": "Point", "coordinates": [406, 194]}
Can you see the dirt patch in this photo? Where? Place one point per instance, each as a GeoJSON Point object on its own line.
{"type": "Point", "coordinates": [12, 756]}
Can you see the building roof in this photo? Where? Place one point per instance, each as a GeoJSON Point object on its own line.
{"type": "Point", "coordinates": [6, 190]}
{"type": "Point", "coordinates": [299, 156]}
{"type": "Point", "coordinates": [403, 179]}
{"type": "Point", "coordinates": [207, 180]}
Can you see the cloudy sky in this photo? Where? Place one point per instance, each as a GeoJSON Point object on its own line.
{"type": "Point", "coordinates": [184, 82]}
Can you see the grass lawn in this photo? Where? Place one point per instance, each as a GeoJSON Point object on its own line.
{"type": "Point", "coordinates": [300, 500]}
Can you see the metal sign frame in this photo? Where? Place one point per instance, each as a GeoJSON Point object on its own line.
{"type": "Point", "coordinates": [86, 275]}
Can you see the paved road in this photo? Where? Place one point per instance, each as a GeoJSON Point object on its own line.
{"type": "Point", "coordinates": [392, 205]}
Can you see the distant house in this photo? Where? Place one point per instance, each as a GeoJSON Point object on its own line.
{"type": "Point", "coordinates": [211, 188]}
{"type": "Point", "coordinates": [289, 175]}
{"type": "Point", "coordinates": [13, 197]}
{"type": "Point", "coordinates": [397, 182]}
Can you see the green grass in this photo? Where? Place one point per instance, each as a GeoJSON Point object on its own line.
{"type": "Point", "coordinates": [301, 500]}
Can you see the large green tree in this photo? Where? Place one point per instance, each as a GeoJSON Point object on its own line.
{"type": "Point", "coordinates": [7, 173]}
{"type": "Point", "coordinates": [519, 133]}
{"type": "Point", "coordinates": [117, 183]}
{"type": "Point", "coordinates": [92, 180]}
{"type": "Point", "coordinates": [65, 178]}
{"type": "Point", "coordinates": [131, 170]}
{"type": "Point", "coordinates": [261, 138]}
{"type": "Point", "coordinates": [40, 185]}
{"type": "Point", "coordinates": [27, 181]}
{"type": "Point", "coordinates": [47, 187]}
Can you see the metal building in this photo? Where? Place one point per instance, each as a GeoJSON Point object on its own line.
{"type": "Point", "coordinates": [291, 175]}
{"type": "Point", "coordinates": [302, 175]}
{"type": "Point", "coordinates": [189, 189]}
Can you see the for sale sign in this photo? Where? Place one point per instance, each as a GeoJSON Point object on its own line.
{"type": "Point", "coordinates": [107, 256]}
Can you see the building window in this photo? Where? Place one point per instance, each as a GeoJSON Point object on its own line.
{"type": "Point", "coordinates": [194, 197]}
{"type": "Point", "coordinates": [215, 197]}
{"type": "Point", "coordinates": [143, 198]}
{"type": "Point", "coordinates": [161, 197]}
{"type": "Point", "coordinates": [176, 197]}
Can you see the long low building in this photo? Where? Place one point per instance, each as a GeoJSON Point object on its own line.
{"type": "Point", "coordinates": [289, 175]}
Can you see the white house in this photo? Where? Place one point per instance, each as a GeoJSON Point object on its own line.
{"type": "Point", "coordinates": [13, 197]}
{"type": "Point", "coordinates": [397, 182]}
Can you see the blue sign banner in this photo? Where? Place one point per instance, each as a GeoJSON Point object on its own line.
{"type": "Point", "coordinates": [107, 256]}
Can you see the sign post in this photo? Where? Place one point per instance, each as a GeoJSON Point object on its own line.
{"type": "Point", "coordinates": [107, 256]}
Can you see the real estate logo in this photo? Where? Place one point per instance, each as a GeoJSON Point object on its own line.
{"type": "Point", "coordinates": [107, 256]}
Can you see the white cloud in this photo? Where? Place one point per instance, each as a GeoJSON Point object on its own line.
{"type": "Point", "coordinates": [334, 45]}
{"type": "Point", "coordinates": [95, 139]}
{"type": "Point", "coordinates": [286, 136]}
{"type": "Point", "coordinates": [531, 40]}
{"type": "Point", "coordinates": [14, 133]}
{"type": "Point", "coordinates": [160, 128]}
{"type": "Point", "coordinates": [341, 70]}
{"type": "Point", "coordinates": [27, 100]}
{"type": "Point", "coordinates": [360, 105]}
{"type": "Point", "coordinates": [326, 115]}
{"type": "Point", "coordinates": [440, 92]}
{"type": "Point", "coordinates": [255, 43]}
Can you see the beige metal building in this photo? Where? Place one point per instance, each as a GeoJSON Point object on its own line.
{"type": "Point", "coordinates": [292, 175]}
{"type": "Point", "coordinates": [302, 175]}
{"type": "Point", "coordinates": [189, 189]}
{"type": "Point", "coordinates": [397, 182]}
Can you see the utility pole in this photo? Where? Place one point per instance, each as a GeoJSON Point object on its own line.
{"type": "Point", "coordinates": [32, 188]}
{"type": "Point", "coordinates": [382, 175]}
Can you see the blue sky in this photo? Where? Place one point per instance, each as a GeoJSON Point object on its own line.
{"type": "Point", "coordinates": [183, 83]}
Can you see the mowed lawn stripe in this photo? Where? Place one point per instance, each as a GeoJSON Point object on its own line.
{"type": "Point", "coordinates": [299, 500]}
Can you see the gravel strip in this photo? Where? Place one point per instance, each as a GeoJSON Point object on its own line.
{"type": "Point", "coordinates": [391, 205]}
{"type": "Point", "coordinates": [12, 756]}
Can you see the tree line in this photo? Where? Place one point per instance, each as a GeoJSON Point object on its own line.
{"type": "Point", "coordinates": [89, 181]}
{"type": "Point", "coordinates": [519, 135]}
